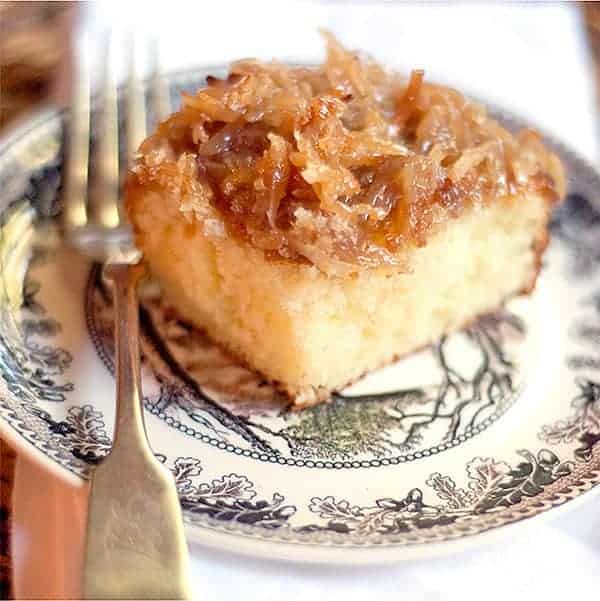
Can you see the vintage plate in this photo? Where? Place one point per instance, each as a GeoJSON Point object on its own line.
{"type": "Point", "coordinates": [493, 426]}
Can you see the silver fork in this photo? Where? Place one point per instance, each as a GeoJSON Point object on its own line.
{"type": "Point", "coordinates": [135, 545]}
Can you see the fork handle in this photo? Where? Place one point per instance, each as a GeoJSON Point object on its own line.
{"type": "Point", "coordinates": [135, 544]}
{"type": "Point", "coordinates": [129, 425]}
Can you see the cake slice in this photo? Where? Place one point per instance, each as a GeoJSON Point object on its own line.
{"type": "Point", "coordinates": [321, 222]}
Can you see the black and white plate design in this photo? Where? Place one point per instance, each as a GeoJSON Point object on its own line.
{"type": "Point", "coordinates": [490, 427]}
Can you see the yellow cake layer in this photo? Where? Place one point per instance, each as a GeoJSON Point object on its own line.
{"type": "Point", "coordinates": [312, 333]}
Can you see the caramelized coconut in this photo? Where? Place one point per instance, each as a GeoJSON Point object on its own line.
{"type": "Point", "coordinates": [342, 165]}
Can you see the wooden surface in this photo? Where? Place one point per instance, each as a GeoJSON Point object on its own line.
{"type": "Point", "coordinates": [591, 11]}
{"type": "Point", "coordinates": [7, 466]}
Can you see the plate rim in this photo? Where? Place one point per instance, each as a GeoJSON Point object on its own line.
{"type": "Point", "coordinates": [344, 555]}
{"type": "Point", "coordinates": [266, 547]}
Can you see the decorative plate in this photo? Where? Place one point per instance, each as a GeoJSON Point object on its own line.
{"type": "Point", "coordinates": [490, 427]}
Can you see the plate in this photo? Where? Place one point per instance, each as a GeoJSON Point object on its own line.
{"type": "Point", "coordinates": [488, 428]}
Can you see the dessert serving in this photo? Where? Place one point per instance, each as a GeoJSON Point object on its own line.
{"type": "Point", "coordinates": [321, 222]}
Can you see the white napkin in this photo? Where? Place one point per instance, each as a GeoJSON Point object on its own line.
{"type": "Point", "coordinates": [529, 58]}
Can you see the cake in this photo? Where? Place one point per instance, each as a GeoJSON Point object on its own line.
{"type": "Point", "coordinates": [321, 222]}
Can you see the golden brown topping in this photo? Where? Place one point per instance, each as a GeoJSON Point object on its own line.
{"type": "Point", "coordinates": [341, 165]}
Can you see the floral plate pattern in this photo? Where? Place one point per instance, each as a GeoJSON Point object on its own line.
{"type": "Point", "coordinates": [492, 425]}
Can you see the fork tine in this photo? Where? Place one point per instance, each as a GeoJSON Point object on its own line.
{"type": "Point", "coordinates": [136, 101]}
{"type": "Point", "coordinates": [74, 195]}
{"type": "Point", "coordinates": [106, 192]}
{"type": "Point", "coordinates": [161, 104]}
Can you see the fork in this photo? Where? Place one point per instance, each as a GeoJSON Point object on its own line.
{"type": "Point", "coordinates": [135, 545]}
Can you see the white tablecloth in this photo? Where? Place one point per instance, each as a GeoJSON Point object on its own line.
{"type": "Point", "coordinates": [531, 59]}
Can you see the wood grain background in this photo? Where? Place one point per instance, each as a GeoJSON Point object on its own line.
{"type": "Point", "coordinates": [7, 472]}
